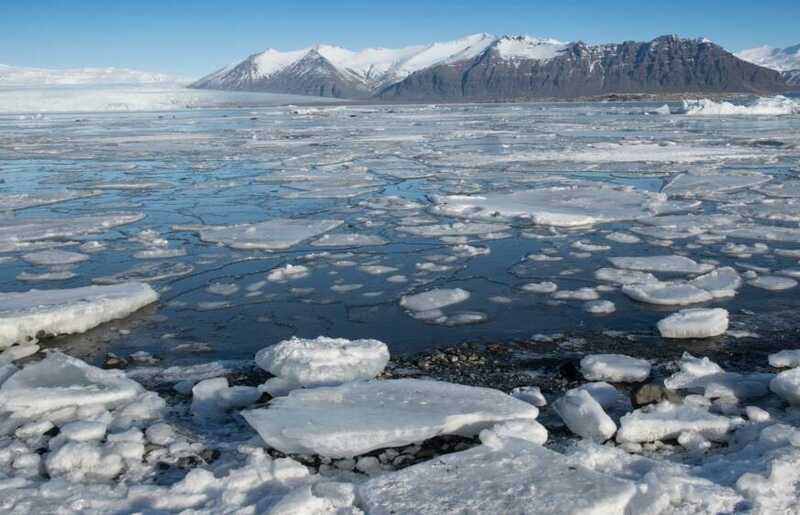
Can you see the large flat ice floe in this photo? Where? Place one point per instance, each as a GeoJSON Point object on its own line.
{"type": "Point", "coordinates": [514, 476]}
{"type": "Point", "coordinates": [24, 315]}
{"type": "Point", "coordinates": [321, 361]}
{"type": "Point", "coordinates": [665, 263]}
{"type": "Point", "coordinates": [563, 207]}
{"type": "Point", "coordinates": [18, 233]}
{"type": "Point", "coordinates": [355, 418]}
{"type": "Point", "coordinates": [276, 234]}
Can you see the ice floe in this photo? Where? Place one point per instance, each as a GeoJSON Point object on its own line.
{"type": "Point", "coordinates": [523, 474]}
{"type": "Point", "coordinates": [561, 207]}
{"type": "Point", "coordinates": [355, 418]}
{"type": "Point", "coordinates": [664, 263]}
{"type": "Point", "coordinates": [321, 361]}
{"type": "Point", "coordinates": [275, 234]}
{"type": "Point", "coordinates": [24, 315]}
{"type": "Point", "coordinates": [616, 368]}
{"type": "Point", "coordinates": [694, 323]}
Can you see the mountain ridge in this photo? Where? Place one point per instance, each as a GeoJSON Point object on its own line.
{"type": "Point", "coordinates": [485, 67]}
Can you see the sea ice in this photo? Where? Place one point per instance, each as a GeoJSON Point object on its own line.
{"type": "Point", "coordinates": [773, 282]}
{"type": "Point", "coordinates": [59, 381]}
{"type": "Point", "coordinates": [434, 299]}
{"type": "Point", "coordinates": [789, 358]}
{"type": "Point", "coordinates": [275, 234]}
{"type": "Point", "coordinates": [665, 421]}
{"type": "Point", "coordinates": [526, 478]}
{"type": "Point", "coordinates": [584, 416]}
{"type": "Point", "coordinates": [694, 323]}
{"type": "Point", "coordinates": [561, 207]}
{"type": "Point", "coordinates": [668, 263]}
{"type": "Point", "coordinates": [355, 418]}
{"type": "Point", "coordinates": [321, 361]}
{"type": "Point", "coordinates": [54, 257]}
{"type": "Point", "coordinates": [616, 368]}
{"type": "Point", "coordinates": [787, 385]}
{"type": "Point", "coordinates": [24, 315]}
{"type": "Point", "coordinates": [667, 293]}
{"type": "Point", "coordinates": [720, 283]}
{"type": "Point", "coordinates": [348, 240]}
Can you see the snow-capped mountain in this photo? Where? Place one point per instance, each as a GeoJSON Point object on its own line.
{"type": "Point", "coordinates": [361, 72]}
{"type": "Point", "coordinates": [785, 60]}
{"type": "Point", "coordinates": [23, 76]}
{"type": "Point", "coordinates": [482, 66]}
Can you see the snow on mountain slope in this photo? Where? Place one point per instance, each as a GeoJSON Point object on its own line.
{"type": "Point", "coordinates": [781, 59]}
{"type": "Point", "coordinates": [524, 47]}
{"type": "Point", "coordinates": [370, 68]}
{"type": "Point", "coordinates": [21, 76]}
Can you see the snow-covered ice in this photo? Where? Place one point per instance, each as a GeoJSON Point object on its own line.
{"type": "Point", "coordinates": [276, 234]}
{"type": "Point", "coordinates": [355, 418]}
{"type": "Point", "coordinates": [527, 478]}
{"type": "Point", "coordinates": [616, 368]}
{"type": "Point", "coordinates": [694, 323]}
{"type": "Point", "coordinates": [24, 315]}
{"type": "Point", "coordinates": [321, 361]}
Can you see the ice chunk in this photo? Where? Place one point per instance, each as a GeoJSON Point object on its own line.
{"type": "Point", "coordinates": [322, 361]}
{"type": "Point", "coordinates": [517, 477]}
{"type": "Point", "coordinates": [355, 418]}
{"type": "Point", "coordinates": [616, 368]}
{"type": "Point", "coordinates": [543, 287]}
{"type": "Point", "coordinates": [699, 185]}
{"type": "Point", "coordinates": [559, 206]}
{"type": "Point", "coordinates": [275, 234]}
{"type": "Point", "coordinates": [54, 257]}
{"type": "Point", "coordinates": [348, 240]}
{"type": "Point", "coordinates": [455, 229]}
{"type": "Point", "coordinates": [24, 315]}
{"type": "Point", "coordinates": [287, 272]}
{"type": "Point", "coordinates": [691, 371]}
{"type": "Point", "coordinates": [434, 299]}
{"type": "Point", "coordinates": [761, 106]}
{"type": "Point", "coordinates": [211, 398]}
{"type": "Point", "coordinates": [789, 358]}
{"type": "Point", "coordinates": [17, 233]}
{"type": "Point", "coordinates": [786, 385]}
{"type": "Point", "coordinates": [59, 380]}
{"type": "Point", "coordinates": [665, 421]}
{"type": "Point", "coordinates": [720, 283]}
{"type": "Point", "coordinates": [584, 416]}
{"type": "Point", "coordinates": [527, 429]}
{"type": "Point", "coordinates": [668, 263]}
{"type": "Point", "coordinates": [531, 394]}
{"type": "Point", "coordinates": [667, 293]}
{"type": "Point", "coordinates": [773, 282]}
{"type": "Point", "coordinates": [694, 323]}
{"type": "Point", "coordinates": [600, 307]}
{"type": "Point", "coordinates": [617, 276]}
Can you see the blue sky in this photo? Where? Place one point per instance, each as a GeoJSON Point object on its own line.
{"type": "Point", "coordinates": [191, 38]}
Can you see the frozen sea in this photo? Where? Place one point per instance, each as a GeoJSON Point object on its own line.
{"type": "Point", "coordinates": [180, 235]}
{"type": "Point", "coordinates": [392, 201]}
